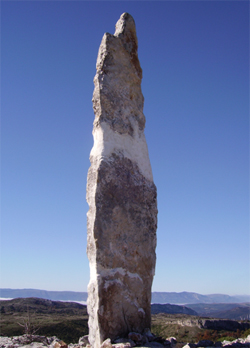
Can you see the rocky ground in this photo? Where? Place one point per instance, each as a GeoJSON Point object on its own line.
{"type": "Point", "coordinates": [133, 340]}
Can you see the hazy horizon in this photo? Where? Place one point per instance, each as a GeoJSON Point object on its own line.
{"type": "Point", "coordinates": [191, 292]}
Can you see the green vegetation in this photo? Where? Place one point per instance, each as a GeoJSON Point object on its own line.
{"type": "Point", "coordinates": [183, 328]}
{"type": "Point", "coordinates": [66, 320]}
{"type": "Point", "coordinates": [219, 336]}
{"type": "Point", "coordinates": [169, 325]}
{"type": "Point", "coordinates": [246, 333]}
{"type": "Point", "coordinates": [69, 321]}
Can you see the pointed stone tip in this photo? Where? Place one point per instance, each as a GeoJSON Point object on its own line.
{"type": "Point", "coordinates": [126, 31]}
{"type": "Point", "coordinates": [125, 24]}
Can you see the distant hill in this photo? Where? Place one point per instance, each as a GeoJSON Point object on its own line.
{"type": "Point", "coordinates": [157, 297]}
{"type": "Point", "coordinates": [237, 313]}
{"type": "Point", "coordinates": [42, 306]}
{"type": "Point", "coordinates": [234, 311]}
{"type": "Point", "coordinates": [48, 295]}
{"type": "Point", "coordinates": [171, 309]}
{"type": "Point", "coordinates": [192, 297]}
{"type": "Point", "coordinates": [69, 321]}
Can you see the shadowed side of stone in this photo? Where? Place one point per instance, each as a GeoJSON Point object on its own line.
{"type": "Point", "coordinates": [121, 194]}
{"type": "Point", "coordinates": [126, 207]}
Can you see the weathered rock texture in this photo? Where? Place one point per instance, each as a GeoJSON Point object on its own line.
{"type": "Point", "coordinates": [122, 216]}
{"type": "Point", "coordinates": [35, 341]}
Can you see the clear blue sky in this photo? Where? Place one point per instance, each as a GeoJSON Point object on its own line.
{"type": "Point", "coordinates": [195, 61]}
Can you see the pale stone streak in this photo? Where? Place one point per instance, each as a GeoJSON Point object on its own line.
{"type": "Point", "coordinates": [106, 142]}
{"type": "Point", "coordinates": [112, 271]}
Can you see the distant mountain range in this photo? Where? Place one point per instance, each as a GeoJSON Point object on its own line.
{"type": "Point", "coordinates": [192, 297]}
{"type": "Point", "coordinates": [48, 295]}
{"type": "Point", "coordinates": [235, 311]}
{"type": "Point", "coordinates": [157, 297]}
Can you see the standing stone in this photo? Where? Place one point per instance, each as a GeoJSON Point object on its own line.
{"type": "Point", "coordinates": [121, 194]}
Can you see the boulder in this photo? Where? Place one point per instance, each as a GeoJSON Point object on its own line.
{"type": "Point", "coordinates": [190, 345]}
{"type": "Point", "coordinates": [152, 344]}
{"type": "Point", "coordinates": [83, 341]}
{"type": "Point", "coordinates": [205, 343]}
{"type": "Point", "coordinates": [122, 345]}
{"type": "Point", "coordinates": [170, 342]}
{"type": "Point", "coordinates": [148, 334]}
{"type": "Point", "coordinates": [59, 344]}
{"type": "Point", "coordinates": [135, 336]}
{"type": "Point", "coordinates": [125, 341]}
{"type": "Point", "coordinates": [106, 344]}
{"type": "Point", "coordinates": [238, 343]}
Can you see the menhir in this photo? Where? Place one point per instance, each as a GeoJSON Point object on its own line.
{"type": "Point", "coordinates": [121, 194]}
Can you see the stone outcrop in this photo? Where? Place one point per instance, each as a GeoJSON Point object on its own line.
{"type": "Point", "coordinates": [121, 194]}
{"type": "Point", "coordinates": [223, 324]}
{"type": "Point", "coordinates": [238, 343]}
{"type": "Point", "coordinates": [32, 341]}
{"type": "Point", "coordinates": [36, 341]}
{"type": "Point", "coordinates": [211, 324]}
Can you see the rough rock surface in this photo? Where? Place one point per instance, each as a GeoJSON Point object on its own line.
{"type": "Point", "coordinates": [223, 324]}
{"type": "Point", "coordinates": [121, 194]}
{"type": "Point", "coordinates": [31, 341]}
{"type": "Point", "coordinates": [51, 342]}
